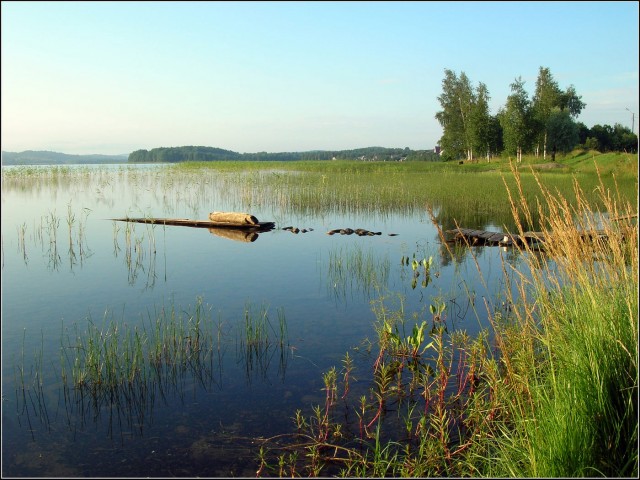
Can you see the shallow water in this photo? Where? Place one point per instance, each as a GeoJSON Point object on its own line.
{"type": "Point", "coordinates": [66, 264]}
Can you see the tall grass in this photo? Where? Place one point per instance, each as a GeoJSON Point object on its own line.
{"type": "Point", "coordinates": [550, 391]}
{"type": "Point", "coordinates": [470, 195]}
{"type": "Point", "coordinates": [113, 356]}
{"type": "Point", "coordinates": [577, 414]}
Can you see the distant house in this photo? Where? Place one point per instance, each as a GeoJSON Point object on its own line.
{"type": "Point", "coordinates": [437, 150]}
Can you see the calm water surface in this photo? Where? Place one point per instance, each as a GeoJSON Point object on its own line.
{"type": "Point", "coordinates": [67, 265]}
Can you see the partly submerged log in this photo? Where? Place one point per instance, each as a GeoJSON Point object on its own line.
{"type": "Point", "coordinates": [185, 222]}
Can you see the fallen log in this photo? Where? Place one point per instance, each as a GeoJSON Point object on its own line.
{"type": "Point", "coordinates": [233, 217]}
{"type": "Point", "coordinates": [185, 222]}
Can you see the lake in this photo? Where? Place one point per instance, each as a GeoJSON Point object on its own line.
{"type": "Point", "coordinates": [67, 267]}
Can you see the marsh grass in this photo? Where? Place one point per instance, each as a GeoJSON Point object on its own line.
{"type": "Point", "coordinates": [112, 355]}
{"type": "Point", "coordinates": [138, 246]}
{"type": "Point", "coordinates": [354, 269]}
{"type": "Point", "coordinates": [31, 401]}
{"type": "Point", "coordinates": [117, 372]}
{"type": "Point", "coordinates": [121, 369]}
{"type": "Point", "coordinates": [551, 390]}
{"type": "Point", "coordinates": [471, 196]}
{"type": "Point", "coordinates": [260, 340]}
{"type": "Point", "coordinates": [578, 414]}
{"type": "Point", "coordinates": [46, 235]}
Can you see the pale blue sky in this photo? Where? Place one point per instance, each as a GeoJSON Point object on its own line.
{"type": "Point", "coordinates": [113, 77]}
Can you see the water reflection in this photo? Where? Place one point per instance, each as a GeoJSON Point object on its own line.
{"type": "Point", "coordinates": [237, 235]}
{"type": "Point", "coordinates": [233, 377]}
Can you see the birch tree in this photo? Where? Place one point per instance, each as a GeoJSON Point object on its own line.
{"type": "Point", "coordinates": [545, 99]}
{"type": "Point", "coordinates": [515, 120]}
{"type": "Point", "coordinates": [480, 122]}
{"type": "Point", "coordinates": [457, 101]}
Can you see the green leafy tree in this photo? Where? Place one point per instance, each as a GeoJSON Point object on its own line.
{"type": "Point", "coordinates": [602, 134]}
{"type": "Point", "coordinates": [623, 140]}
{"type": "Point", "coordinates": [496, 145]}
{"type": "Point", "coordinates": [457, 100]}
{"type": "Point", "coordinates": [583, 133]}
{"type": "Point", "coordinates": [562, 132]}
{"type": "Point", "coordinates": [465, 118]}
{"type": "Point", "coordinates": [572, 102]}
{"type": "Point", "coordinates": [480, 122]}
{"type": "Point", "coordinates": [606, 138]}
{"type": "Point", "coordinates": [591, 143]}
{"type": "Point", "coordinates": [515, 120]}
{"type": "Point", "coordinates": [545, 98]}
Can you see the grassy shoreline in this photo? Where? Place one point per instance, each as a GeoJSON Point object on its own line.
{"type": "Point", "coordinates": [553, 394]}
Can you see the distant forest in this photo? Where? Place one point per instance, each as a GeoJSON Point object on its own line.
{"type": "Point", "coordinates": [207, 154]}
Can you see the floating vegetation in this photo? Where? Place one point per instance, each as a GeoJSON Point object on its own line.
{"type": "Point", "coordinates": [420, 268]}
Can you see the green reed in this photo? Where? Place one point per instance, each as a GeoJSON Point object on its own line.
{"type": "Point", "coordinates": [31, 400]}
{"type": "Point", "coordinates": [469, 196]}
{"type": "Point", "coordinates": [124, 366]}
{"type": "Point", "coordinates": [137, 247]}
{"type": "Point", "coordinates": [259, 340]}
{"type": "Point", "coordinates": [114, 355]}
{"type": "Point", "coordinates": [356, 269]}
{"type": "Point", "coordinates": [22, 248]}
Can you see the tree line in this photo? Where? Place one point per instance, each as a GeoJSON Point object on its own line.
{"type": "Point", "coordinates": [205, 154]}
{"type": "Point", "coordinates": [543, 124]}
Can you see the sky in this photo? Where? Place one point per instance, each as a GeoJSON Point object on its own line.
{"type": "Point", "coordinates": [114, 77]}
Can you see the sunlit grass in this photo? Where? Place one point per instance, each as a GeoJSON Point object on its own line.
{"type": "Point", "coordinates": [550, 391]}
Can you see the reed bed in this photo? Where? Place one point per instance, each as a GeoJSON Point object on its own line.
{"type": "Point", "coordinates": [124, 369]}
{"type": "Point", "coordinates": [260, 340]}
{"type": "Point", "coordinates": [470, 197]}
{"type": "Point", "coordinates": [551, 390]}
{"type": "Point", "coordinates": [577, 413]}
{"type": "Point", "coordinates": [352, 269]}
{"type": "Point", "coordinates": [119, 371]}
{"type": "Point", "coordinates": [105, 358]}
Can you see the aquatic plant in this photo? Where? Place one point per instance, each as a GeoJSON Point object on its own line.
{"type": "Point", "coordinates": [259, 341]}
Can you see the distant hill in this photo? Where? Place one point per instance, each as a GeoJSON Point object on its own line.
{"type": "Point", "coordinates": [183, 154]}
{"type": "Point", "coordinates": [44, 157]}
{"type": "Point", "coordinates": [205, 154]}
